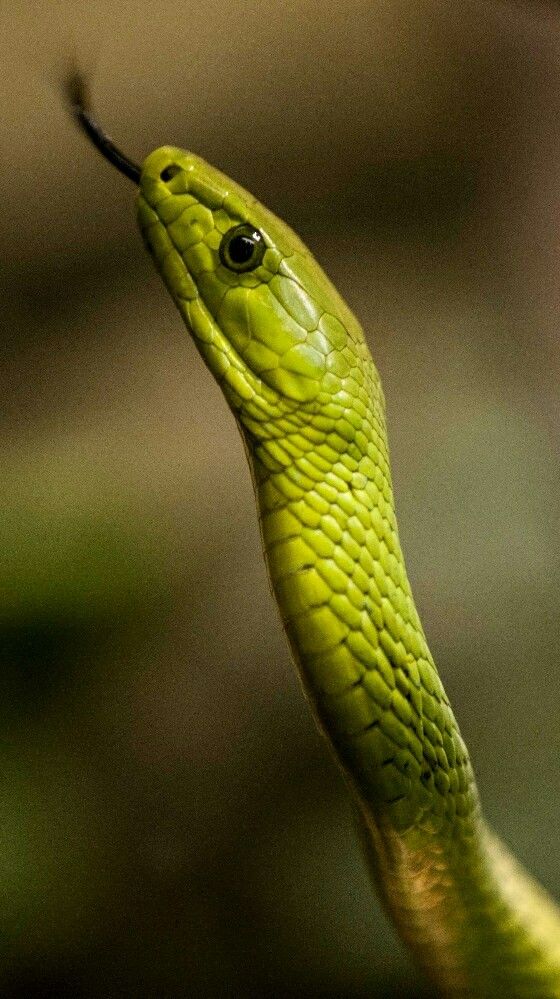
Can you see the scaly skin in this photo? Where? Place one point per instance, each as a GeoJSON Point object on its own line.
{"type": "Point", "coordinates": [295, 369]}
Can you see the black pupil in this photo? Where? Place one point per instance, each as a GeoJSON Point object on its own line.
{"type": "Point", "coordinates": [241, 248]}
{"type": "Point", "coordinates": [170, 171]}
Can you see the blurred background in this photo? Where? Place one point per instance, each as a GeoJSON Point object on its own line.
{"type": "Point", "coordinates": [171, 823]}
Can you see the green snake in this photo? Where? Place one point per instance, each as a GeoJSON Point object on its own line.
{"type": "Point", "coordinates": [295, 369]}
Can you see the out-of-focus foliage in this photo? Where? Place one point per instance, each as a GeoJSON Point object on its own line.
{"type": "Point", "coordinates": [171, 822]}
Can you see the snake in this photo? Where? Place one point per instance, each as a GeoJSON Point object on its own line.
{"type": "Point", "coordinates": [297, 374]}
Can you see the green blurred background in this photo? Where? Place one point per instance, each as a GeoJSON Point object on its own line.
{"type": "Point", "coordinates": [171, 824]}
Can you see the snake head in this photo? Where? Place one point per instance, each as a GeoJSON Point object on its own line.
{"type": "Point", "coordinates": [271, 327]}
{"type": "Point", "coordinates": [266, 319]}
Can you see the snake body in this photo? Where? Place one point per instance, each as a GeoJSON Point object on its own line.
{"type": "Point", "coordinates": [295, 369]}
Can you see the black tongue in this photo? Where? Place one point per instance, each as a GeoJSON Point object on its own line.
{"type": "Point", "coordinates": [78, 98]}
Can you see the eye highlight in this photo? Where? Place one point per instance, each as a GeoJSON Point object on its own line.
{"type": "Point", "coordinates": [242, 248]}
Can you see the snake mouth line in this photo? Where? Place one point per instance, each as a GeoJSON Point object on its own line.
{"type": "Point", "coordinates": [78, 97]}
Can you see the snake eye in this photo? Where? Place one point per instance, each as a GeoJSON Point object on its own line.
{"type": "Point", "coordinates": [170, 171]}
{"type": "Point", "coordinates": [242, 248]}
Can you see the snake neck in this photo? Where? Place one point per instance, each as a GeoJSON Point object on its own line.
{"type": "Point", "coordinates": [474, 920]}
{"type": "Point", "coordinates": [333, 553]}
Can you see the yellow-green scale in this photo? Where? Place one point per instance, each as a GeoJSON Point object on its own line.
{"type": "Point", "coordinates": [338, 574]}
{"type": "Point", "coordinates": [332, 547]}
{"type": "Point", "coordinates": [294, 366]}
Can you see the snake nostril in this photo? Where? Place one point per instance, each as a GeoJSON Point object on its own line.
{"type": "Point", "coordinates": [170, 171]}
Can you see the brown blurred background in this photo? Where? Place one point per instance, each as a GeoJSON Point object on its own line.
{"type": "Point", "coordinates": [171, 822]}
